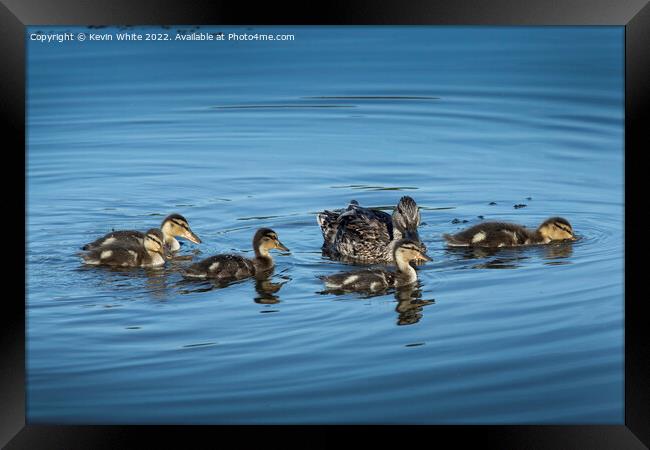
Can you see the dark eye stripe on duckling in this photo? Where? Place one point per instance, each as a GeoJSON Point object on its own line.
{"type": "Point", "coordinates": [562, 227]}
{"type": "Point", "coordinates": [155, 240]}
{"type": "Point", "coordinates": [411, 247]}
{"type": "Point", "coordinates": [180, 224]}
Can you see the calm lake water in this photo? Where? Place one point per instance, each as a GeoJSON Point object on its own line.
{"type": "Point", "coordinates": [236, 135]}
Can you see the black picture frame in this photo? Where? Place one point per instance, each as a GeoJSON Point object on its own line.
{"type": "Point", "coordinates": [634, 15]}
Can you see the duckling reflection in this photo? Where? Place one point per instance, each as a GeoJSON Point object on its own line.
{"type": "Point", "coordinates": [513, 257]}
{"type": "Point", "coordinates": [508, 259]}
{"type": "Point", "coordinates": [558, 251]}
{"type": "Point", "coordinates": [266, 290]}
{"type": "Point", "coordinates": [154, 281]}
{"type": "Point", "coordinates": [157, 283]}
{"type": "Point", "coordinates": [409, 307]}
{"type": "Point", "coordinates": [409, 304]}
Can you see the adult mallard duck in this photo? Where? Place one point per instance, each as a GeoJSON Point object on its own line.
{"type": "Point", "coordinates": [500, 234]}
{"type": "Point", "coordinates": [171, 226]}
{"type": "Point", "coordinates": [369, 235]}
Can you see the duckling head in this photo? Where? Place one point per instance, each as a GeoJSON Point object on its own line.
{"type": "Point", "coordinates": [406, 219]}
{"type": "Point", "coordinates": [266, 239]}
{"type": "Point", "coordinates": [154, 242]}
{"type": "Point", "coordinates": [407, 250]}
{"type": "Point", "coordinates": [556, 229]}
{"type": "Point", "coordinates": [177, 225]}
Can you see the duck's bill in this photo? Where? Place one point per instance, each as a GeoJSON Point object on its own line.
{"type": "Point", "coordinates": [191, 236]}
{"type": "Point", "coordinates": [424, 257]}
{"type": "Point", "coordinates": [280, 246]}
{"type": "Point", "coordinates": [166, 254]}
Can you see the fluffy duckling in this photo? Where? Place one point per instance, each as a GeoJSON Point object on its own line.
{"type": "Point", "coordinates": [151, 252]}
{"type": "Point", "coordinates": [173, 225]}
{"type": "Point", "coordinates": [405, 251]}
{"type": "Point", "coordinates": [236, 267]}
{"type": "Point", "coordinates": [498, 234]}
{"type": "Point", "coordinates": [369, 235]}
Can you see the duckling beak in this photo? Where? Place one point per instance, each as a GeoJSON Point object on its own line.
{"type": "Point", "coordinates": [280, 246]}
{"type": "Point", "coordinates": [166, 254]}
{"type": "Point", "coordinates": [188, 234]}
{"type": "Point", "coordinates": [425, 257]}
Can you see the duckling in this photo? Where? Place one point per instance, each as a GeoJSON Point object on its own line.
{"type": "Point", "coordinates": [373, 280]}
{"type": "Point", "coordinates": [236, 267]}
{"type": "Point", "coordinates": [173, 225]}
{"type": "Point", "coordinates": [498, 234]}
{"type": "Point", "coordinates": [152, 252]}
{"type": "Point", "coordinates": [369, 235]}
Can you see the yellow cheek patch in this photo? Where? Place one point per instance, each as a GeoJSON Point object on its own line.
{"type": "Point", "coordinates": [268, 245]}
{"type": "Point", "coordinates": [555, 233]}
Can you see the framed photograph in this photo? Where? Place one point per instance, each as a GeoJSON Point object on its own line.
{"type": "Point", "coordinates": [377, 220]}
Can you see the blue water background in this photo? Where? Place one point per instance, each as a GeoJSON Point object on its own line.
{"type": "Point", "coordinates": [240, 135]}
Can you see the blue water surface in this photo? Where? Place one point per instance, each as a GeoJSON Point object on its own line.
{"type": "Point", "coordinates": [236, 135]}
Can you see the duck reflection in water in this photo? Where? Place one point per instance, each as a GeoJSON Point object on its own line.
{"type": "Point", "coordinates": [561, 250]}
{"type": "Point", "coordinates": [512, 258]}
{"type": "Point", "coordinates": [157, 283]}
{"type": "Point", "coordinates": [266, 289]}
{"type": "Point", "coordinates": [156, 279]}
{"type": "Point", "coordinates": [409, 300]}
{"type": "Point", "coordinates": [410, 304]}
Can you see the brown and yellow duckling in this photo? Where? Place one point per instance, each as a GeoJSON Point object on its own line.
{"type": "Point", "coordinates": [374, 280]}
{"type": "Point", "coordinates": [151, 252]}
{"type": "Point", "coordinates": [500, 234]}
{"type": "Point", "coordinates": [228, 267]}
{"type": "Point", "coordinates": [172, 226]}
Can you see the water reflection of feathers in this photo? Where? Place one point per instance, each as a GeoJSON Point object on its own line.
{"type": "Point", "coordinates": [512, 258]}
{"type": "Point", "coordinates": [266, 291]}
{"type": "Point", "coordinates": [265, 288]}
{"type": "Point", "coordinates": [409, 306]}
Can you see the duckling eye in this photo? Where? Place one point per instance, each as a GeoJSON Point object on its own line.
{"type": "Point", "coordinates": [180, 224]}
{"type": "Point", "coordinates": [563, 228]}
